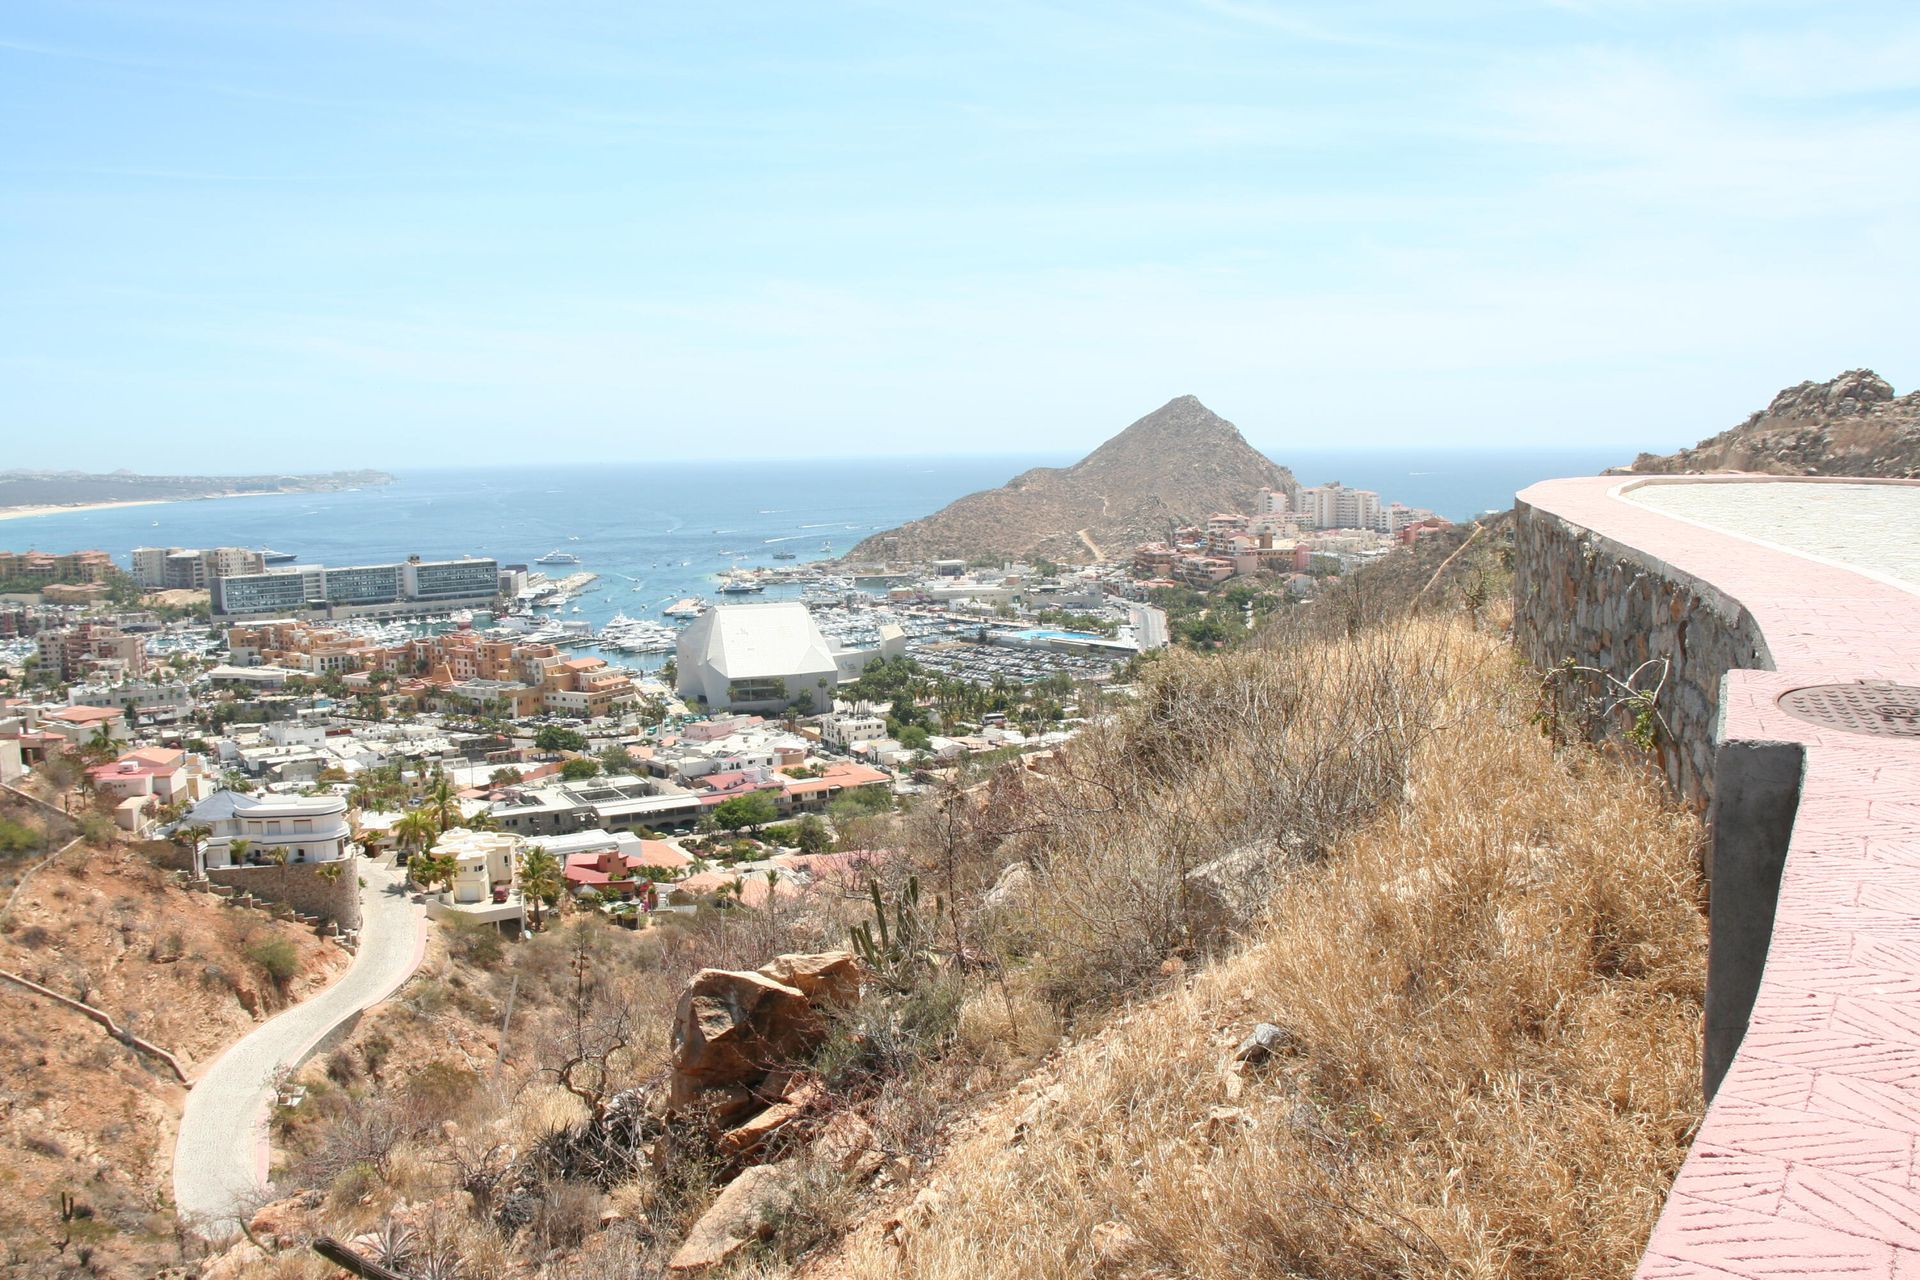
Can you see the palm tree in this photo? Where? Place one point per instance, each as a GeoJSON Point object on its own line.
{"type": "Point", "coordinates": [444, 799]}
{"type": "Point", "coordinates": [415, 832]}
{"type": "Point", "coordinates": [237, 850]}
{"type": "Point", "coordinates": [540, 879]}
{"type": "Point", "coordinates": [430, 869]}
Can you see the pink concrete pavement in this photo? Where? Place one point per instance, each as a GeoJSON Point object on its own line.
{"type": "Point", "coordinates": [1805, 1164]}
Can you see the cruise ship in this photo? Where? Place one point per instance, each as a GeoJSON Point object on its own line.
{"type": "Point", "coordinates": [557, 556]}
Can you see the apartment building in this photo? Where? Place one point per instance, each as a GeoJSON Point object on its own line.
{"type": "Point", "coordinates": [1334, 506]}
{"type": "Point", "coordinates": [43, 566]}
{"type": "Point", "coordinates": [191, 568]}
{"type": "Point", "coordinates": [92, 648]}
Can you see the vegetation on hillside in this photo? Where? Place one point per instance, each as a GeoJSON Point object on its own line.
{"type": "Point", "coordinates": [1478, 954]}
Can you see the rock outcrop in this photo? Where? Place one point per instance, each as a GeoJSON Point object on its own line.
{"type": "Point", "coordinates": [738, 1040]}
{"type": "Point", "coordinates": [1179, 464]}
{"type": "Point", "coordinates": [1853, 425]}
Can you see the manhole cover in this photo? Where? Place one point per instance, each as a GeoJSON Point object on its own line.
{"type": "Point", "coordinates": [1883, 710]}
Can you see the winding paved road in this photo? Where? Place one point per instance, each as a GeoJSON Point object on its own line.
{"type": "Point", "coordinates": [220, 1158]}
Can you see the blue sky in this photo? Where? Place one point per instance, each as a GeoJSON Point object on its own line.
{"type": "Point", "coordinates": [410, 233]}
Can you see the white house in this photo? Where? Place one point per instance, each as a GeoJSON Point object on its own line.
{"type": "Point", "coordinates": [756, 657]}
{"type": "Point", "coordinates": [485, 858]}
{"type": "Point", "coordinates": [309, 828]}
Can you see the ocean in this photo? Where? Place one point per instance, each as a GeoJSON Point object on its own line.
{"type": "Point", "coordinates": [658, 532]}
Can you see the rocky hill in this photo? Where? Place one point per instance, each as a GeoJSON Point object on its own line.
{"type": "Point", "coordinates": [1179, 464]}
{"type": "Point", "coordinates": [1851, 426]}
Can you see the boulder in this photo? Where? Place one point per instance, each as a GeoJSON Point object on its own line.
{"type": "Point", "coordinates": [746, 1139]}
{"type": "Point", "coordinates": [825, 978]}
{"type": "Point", "coordinates": [742, 1213]}
{"type": "Point", "coordinates": [849, 1144]}
{"type": "Point", "coordinates": [1263, 1042]}
{"type": "Point", "coordinates": [732, 1028]}
{"type": "Point", "coordinates": [1015, 885]}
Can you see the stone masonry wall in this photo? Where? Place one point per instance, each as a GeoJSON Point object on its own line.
{"type": "Point", "coordinates": [1609, 607]}
{"type": "Point", "coordinates": [300, 886]}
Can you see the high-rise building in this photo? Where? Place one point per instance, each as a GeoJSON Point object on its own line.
{"type": "Point", "coordinates": [191, 568]}
{"type": "Point", "coordinates": [1334, 506]}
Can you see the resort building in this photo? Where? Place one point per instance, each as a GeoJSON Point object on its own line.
{"type": "Point", "coordinates": [756, 657]}
{"type": "Point", "coordinates": [379, 590]}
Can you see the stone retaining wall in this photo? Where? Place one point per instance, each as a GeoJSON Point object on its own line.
{"type": "Point", "coordinates": [1613, 608]}
{"type": "Point", "coordinates": [300, 886]}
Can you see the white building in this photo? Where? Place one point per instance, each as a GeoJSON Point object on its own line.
{"type": "Point", "coordinates": [309, 828]}
{"type": "Point", "coordinates": [1334, 506]}
{"type": "Point", "coordinates": [846, 728]}
{"type": "Point", "coordinates": [756, 657]}
{"type": "Point", "coordinates": [485, 859]}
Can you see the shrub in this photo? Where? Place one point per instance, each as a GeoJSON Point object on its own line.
{"type": "Point", "coordinates": [276, 956]}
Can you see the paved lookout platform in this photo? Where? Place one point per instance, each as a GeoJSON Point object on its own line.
{"type": "Point", "coordinates": [1782, 618]}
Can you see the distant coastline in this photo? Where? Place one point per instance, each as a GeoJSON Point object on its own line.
{"type": "Point", "coordinates": [78, 508]}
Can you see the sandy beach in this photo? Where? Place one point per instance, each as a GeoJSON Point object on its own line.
{"type": "Point", "coordinates": [21, 513]}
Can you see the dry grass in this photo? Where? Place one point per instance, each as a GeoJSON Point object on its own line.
{"type": "Point", "coordinates": [1492, 992]}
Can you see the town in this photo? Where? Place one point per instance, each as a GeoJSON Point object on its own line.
{"type": "Point", "coordinates": [263, 713]}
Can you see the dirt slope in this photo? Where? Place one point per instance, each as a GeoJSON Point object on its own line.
{"type": "Point", "coordinates": [83, 1114]}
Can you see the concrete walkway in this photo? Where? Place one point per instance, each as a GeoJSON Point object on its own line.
{"type": "Point", "coordinates": [1807, 1162]}
{"type": "Point", "coordinates": [220, 1158]}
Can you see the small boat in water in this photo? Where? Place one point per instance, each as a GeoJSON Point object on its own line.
{"type": "Point", "coordinates": [785, 555]}
{"type": "Point", "coordinates": [557, 556]}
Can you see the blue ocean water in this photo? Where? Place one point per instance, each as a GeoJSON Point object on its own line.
{"type": "Point", "coordinates": [658, 532]}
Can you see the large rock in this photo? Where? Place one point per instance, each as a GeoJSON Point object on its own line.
{"type": "Point", "coordinates": [826, 978]}
{"type": "Point", "coordinates": [732, 1028]}
{"type": "Point", "coordinates": [741, 1214]}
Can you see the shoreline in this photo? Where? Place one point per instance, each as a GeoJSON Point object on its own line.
{"type": "Point", "coordinates": [75, 508]}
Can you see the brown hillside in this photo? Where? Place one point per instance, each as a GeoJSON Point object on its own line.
{"type": "Point", "coordinates": [1851, 426]}
{"type": "Point", "coordinates": [1179, 464]}
{"type": "Point", "coordinates": [85, 1115]}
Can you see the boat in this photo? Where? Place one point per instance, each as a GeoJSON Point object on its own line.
{"type": "Point", "coordinates": [785, 555]}
{"type": "Point", "coordinates": [737, 586]}
{"type": "Point", "coordinates": [557, 556]}
{"type": "Point", "coordinates": [826, 544]}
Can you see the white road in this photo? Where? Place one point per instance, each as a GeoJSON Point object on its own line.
{"type": "Point", "coordinates": [220, 1158]}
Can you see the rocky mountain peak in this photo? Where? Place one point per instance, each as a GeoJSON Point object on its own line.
{"type": "Point", "coordinates": [1851, 425]}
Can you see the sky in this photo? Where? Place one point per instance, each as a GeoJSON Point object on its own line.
{"type": "Point", "coordinates": [237, 235]}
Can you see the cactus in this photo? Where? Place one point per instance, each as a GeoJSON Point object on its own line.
{"type": "Point", "coordinates": [894, 950]}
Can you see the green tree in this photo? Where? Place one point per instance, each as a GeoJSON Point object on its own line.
{"type": "Point", "coordinates": [617, 759]}
{"type": "Point", "coordinates": [431, 869]}
{"type": "Point", "coordinates": [914, 738]}
{"type": "Point", "coordinates": [416, 832]}
{"type": "Point", "coordinates": [755, 810]}
{"type": "Point", "coordinates": [580, 767]}
{"type": "Point", "coordinates": [445, 801]}
{"type": "Point", "coordinates": [505, 777]}
{"type": "Point", "coordinates": [810, 834]}
{"type": "Point", "coordinates": [540, 880]}
{"type": "Point", "coordinates": [555, 737]}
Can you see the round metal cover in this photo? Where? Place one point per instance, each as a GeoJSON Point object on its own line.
{"type": "Point", "coordinates": [1880, 709]}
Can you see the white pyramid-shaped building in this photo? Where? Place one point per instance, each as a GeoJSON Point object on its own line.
{"type": "Point", "coordinates": [756, 657]}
